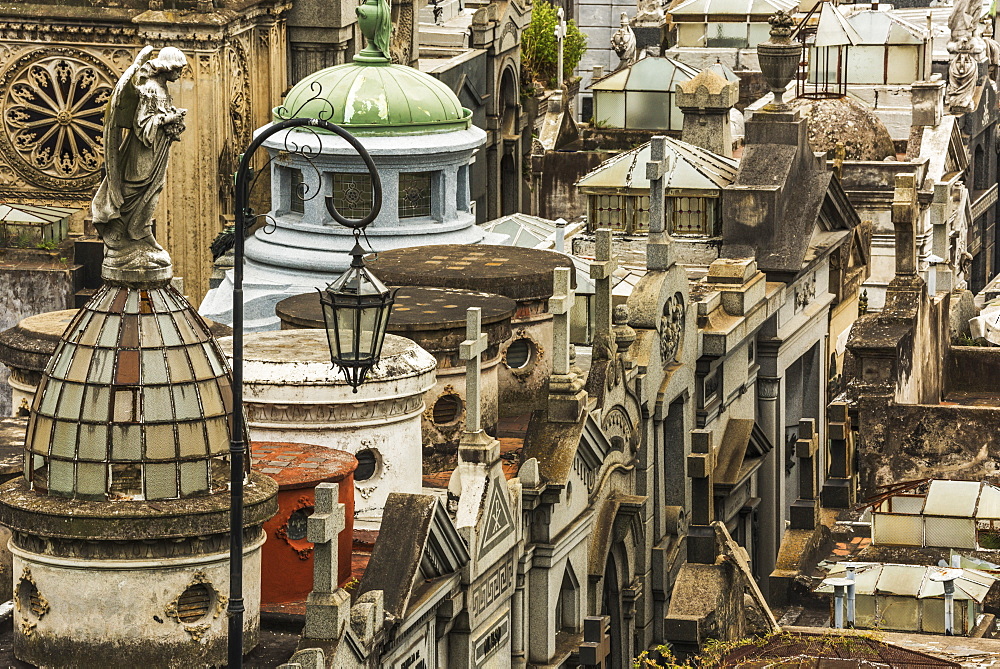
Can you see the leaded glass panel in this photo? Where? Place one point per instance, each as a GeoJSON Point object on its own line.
{"type": "Point", "coordinates": [352, 194]}
{"type": "Point", "coordinates": [414, 194]}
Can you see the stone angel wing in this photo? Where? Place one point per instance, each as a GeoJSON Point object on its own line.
{"type": "Point", "coordinates": [118, 115]}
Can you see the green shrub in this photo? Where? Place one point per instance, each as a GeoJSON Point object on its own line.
{"type": "Point", "coordinates": [538, 45]}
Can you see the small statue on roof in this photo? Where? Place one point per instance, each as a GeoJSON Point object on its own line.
{"type": "Point", "coordinates": [623, 42]}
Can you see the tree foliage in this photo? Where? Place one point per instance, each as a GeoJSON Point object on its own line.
{"type": "Point", "coordinates": [539, 49]}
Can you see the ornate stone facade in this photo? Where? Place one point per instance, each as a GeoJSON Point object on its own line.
{"type": "Point", "coordinates": [57, 69]}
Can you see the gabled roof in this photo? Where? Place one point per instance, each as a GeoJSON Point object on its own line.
{"type": "Point", "coordinates": [26, 213]}
{"type": "Point", "coordinates": [735, 7]}
{"type": "Point", "coordinates": [417, 543]}
{"type": "Point", "coordinates": [692, 167]}
{"type": "Point", "coordinates": [882, 27]}
{"type": "Point", "coordinates": [651, 73]}
{"type": "Point", "coordinates": [784, 208]}
{"type": "Point", "coordinates": [834, 29]}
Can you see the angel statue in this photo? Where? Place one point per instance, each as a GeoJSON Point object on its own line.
{"type": "Point", "coordinates": [140, 126]}
{"type": "Point", "coordinates": [623, 42]}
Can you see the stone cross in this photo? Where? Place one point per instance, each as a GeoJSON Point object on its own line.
{"type": "Point", "coordinates": [839, 488]}
{"type": "Point", "coordinates": [803, 514]}
{"type": "Point", "coordinates": [601, 271]}
{"type": "Point", "coordinates": [328, 607]}
{"type": "Point", "coordinates": [322, 529]}
{"type": "Point", "coordinates": [471, 350]}
{"type": "Point", "coordinates": [657, 248]}
{"type": "Point", "coordinates": [560, 305]}
{"type": "Point", "coordinates": [596, 646]}
{"type": "Point", "coordinates": [904, 221]}
{"type": "Point", "coordinates": [560, 31]}
{"type": "Point", "coordinates": [701, 469]}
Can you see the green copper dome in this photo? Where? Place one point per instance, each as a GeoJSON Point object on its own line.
{"type": "Point", "coordinates": [376, 98]}
{"type": "Point", "coordinates": [371, 96]}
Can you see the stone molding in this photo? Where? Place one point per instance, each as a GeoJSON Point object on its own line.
{"type": "Point", "coordinates": [84, 549]}
{"type": "Point", "coordinates": [317, 416]}
{"type": "Point", "coordinates": [768, 387]}
{"type": "Point", "coordinates": [26, 511]}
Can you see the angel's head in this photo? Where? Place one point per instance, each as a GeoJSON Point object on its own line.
{"type": "Point", "coordinates": [170, 61]}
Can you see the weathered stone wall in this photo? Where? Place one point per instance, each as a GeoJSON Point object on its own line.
{"type": "Point", "coordinates": [558, 196]}
{"type": "Point", "coordinates": [972, 369]}
{"type": "Point", "coordinates": [25, 292]}
{"type": "Point", "coordinates": [905, 442]}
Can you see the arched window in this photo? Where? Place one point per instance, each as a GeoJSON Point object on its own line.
{"type": "Point", "coordinates": [568, 618]}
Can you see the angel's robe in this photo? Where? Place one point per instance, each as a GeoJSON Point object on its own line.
{"type": "Point", "coordinates": [141, 173]}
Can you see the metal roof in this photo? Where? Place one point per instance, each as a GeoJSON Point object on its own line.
{"type": "Point", "coordinates": [26, 213]}
{"type": "Point", "coordinates": [951, 498]}
{"type": "Point", "coordinates": [691, 167]}
{"type": "Point", "coordinates": [834, 29]}
{"type": "Point", "coordinates": [905, 580]}
{"type": "Point", "coordinates": [739, 7]}
{"type": "Point", "coordinates": [882, 27]}
{"type": "Point", "coordinates": [651, 73]}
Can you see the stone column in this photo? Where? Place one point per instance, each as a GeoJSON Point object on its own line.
{"type": "Point", "coordinates": [658, 245]}
{"type": "Point", "coordinates": [471, 350]}
{"type": "Point", "coordinates": [566, 394]}
{"type": "Point", "coordinates": [329, 606]}
{"type": "Point", "coordinates": [601, 270]}
{"type": "Point", "coordinates": [771, 479]}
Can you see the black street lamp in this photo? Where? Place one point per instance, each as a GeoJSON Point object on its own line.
{"type": "Point", "coordinates": [356, 307]}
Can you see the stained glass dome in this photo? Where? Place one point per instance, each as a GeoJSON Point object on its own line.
{"type": "Point", "coordinates": [136, 403]}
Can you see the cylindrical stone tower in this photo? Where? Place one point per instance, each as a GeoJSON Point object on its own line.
{"type": "Point", "coordinates": [121, 520]}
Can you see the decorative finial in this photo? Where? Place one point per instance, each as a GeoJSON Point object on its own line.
{"type": "Point", "coordinates": [781, 27]}
{"type": "Point", "coordinates": [375, 21]}
{"type": "Point", "coordinates": [779, 58]}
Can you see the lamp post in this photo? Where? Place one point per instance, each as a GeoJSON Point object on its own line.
{"type": "Point", "coordinates": [357, 305]}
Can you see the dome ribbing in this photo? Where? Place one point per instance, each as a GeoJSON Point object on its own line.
{"type": "Point", "coordinates": [136, 403]}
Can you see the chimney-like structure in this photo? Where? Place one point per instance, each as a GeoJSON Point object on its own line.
{"type": "Point", "coordinates": [706, 101]}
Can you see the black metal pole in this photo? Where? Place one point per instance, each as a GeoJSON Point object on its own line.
{"type": "Point", "coordinates": [237, 444]}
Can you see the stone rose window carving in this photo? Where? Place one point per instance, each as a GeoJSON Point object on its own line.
{"type": "Point", "coordinates": [52, 115]}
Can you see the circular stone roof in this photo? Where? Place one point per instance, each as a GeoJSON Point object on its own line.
{"type": "Point", "coordinates": [518, 273]}
{"type": "Point", "coordinates": [415, 308]}
{"type": "Point", "coordinates": [376, 98]}
{"type": "Point", "coordinates": [135, 403]}
{"type": "Point", "coordinates": [432, 317]}
{"type": "Point", "coordinates": [833, 120]}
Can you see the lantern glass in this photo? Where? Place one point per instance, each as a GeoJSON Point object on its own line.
{"type": "Point", "coordinates": [356, 309]}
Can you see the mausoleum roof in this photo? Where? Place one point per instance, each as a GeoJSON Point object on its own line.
{"type": "Point", "coordinates": [691, 168]}
{"type": "Point", "coordinates": [652, 73]}
{"type": "Point", "coordinates": [734, 7]}
{"type": "Point", "coordinates": [135, 403]}
{"type": "Point", "coordinates": [377, 98]}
